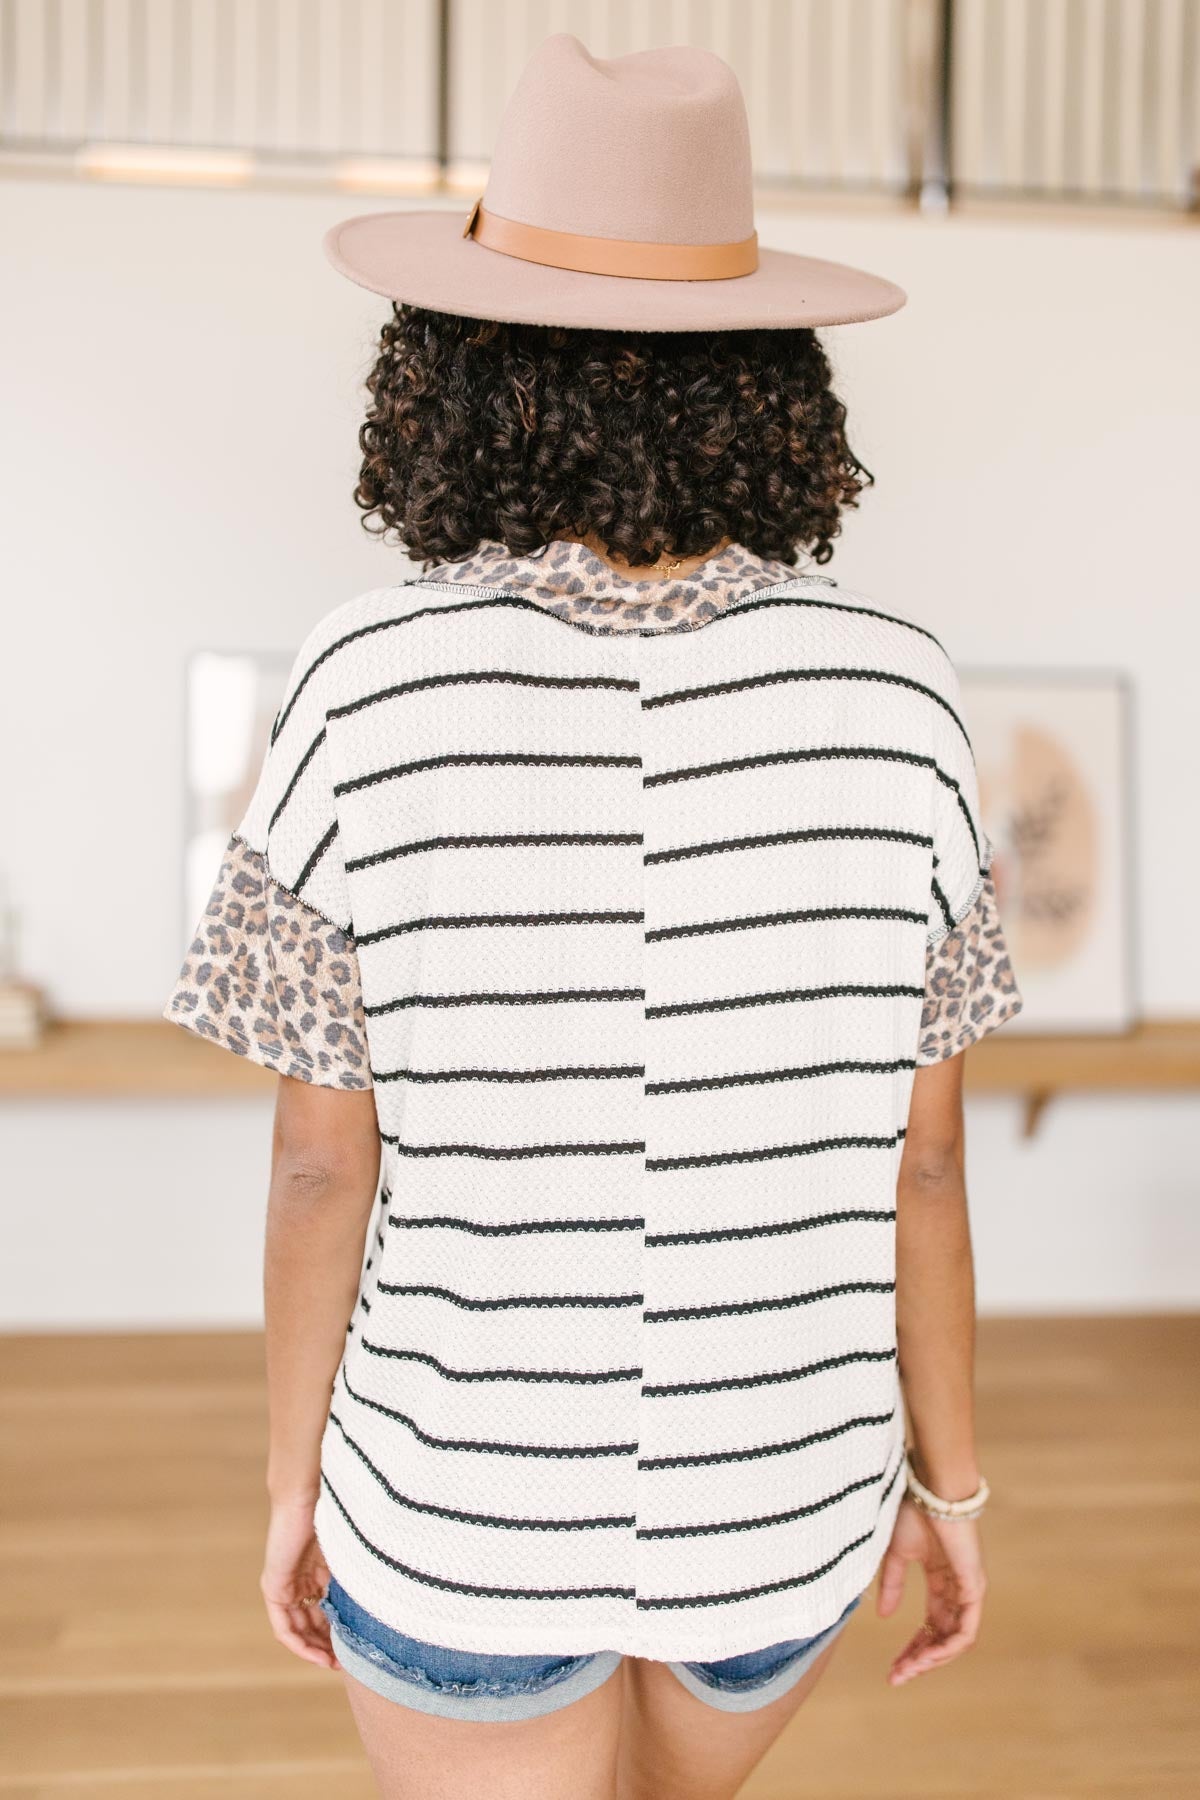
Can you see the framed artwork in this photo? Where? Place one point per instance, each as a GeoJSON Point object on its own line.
{"type": "Point", "coordinates": [231, 699]}
{"type": "Point", "coordinates": [1052, 748]}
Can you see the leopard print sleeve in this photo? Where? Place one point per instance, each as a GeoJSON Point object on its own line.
{"type": "Point", "coordinates": [970, 987]}
{"type": "Point", "coordinates": [272, 980]}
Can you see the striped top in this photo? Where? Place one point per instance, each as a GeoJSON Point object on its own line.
{"type": "Point", "coordinates": [641, 920]}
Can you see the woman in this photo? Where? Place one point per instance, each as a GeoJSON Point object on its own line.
{"type": "Point", "coordinates": [623, 893]}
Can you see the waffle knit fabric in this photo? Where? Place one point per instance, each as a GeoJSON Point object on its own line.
{"type": "Point", "coordinates": [642, 921]}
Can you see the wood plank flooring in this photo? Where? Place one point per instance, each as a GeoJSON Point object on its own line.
{"type": "Point", "coordinates": [135, 1663]}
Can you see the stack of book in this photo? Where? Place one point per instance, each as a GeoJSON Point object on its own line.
{"type": "Point", "coordinates": [22, 1015]}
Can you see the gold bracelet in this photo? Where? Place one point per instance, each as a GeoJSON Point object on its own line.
{"type": "Point", "coordinates": [936, 1507]}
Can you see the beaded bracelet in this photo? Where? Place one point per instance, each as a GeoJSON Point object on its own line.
{"type": "Point", "coordinates": [936, 1507]}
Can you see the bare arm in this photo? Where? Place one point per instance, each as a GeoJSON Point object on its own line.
{"type": "Point", "coordinates": [935, 1326]}
{"type": "Point", "coordinates": [935, 1285]}
{"type": "Point", "coordinates": [324, 1177]}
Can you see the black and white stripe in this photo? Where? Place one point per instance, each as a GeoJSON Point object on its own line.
{"type": "Point", "coordinates": [641, 921]}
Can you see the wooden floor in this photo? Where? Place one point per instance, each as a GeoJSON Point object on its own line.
{"type": "Point", "coordinates": [134, 1660]}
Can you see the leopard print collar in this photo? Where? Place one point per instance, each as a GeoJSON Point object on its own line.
{"type": "Point", "coordinates": [572, 581]}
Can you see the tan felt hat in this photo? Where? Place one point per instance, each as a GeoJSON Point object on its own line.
{"type": "Point", "coordinates": [620, 195]}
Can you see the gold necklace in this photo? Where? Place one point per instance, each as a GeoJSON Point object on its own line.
{"type": "Point", "coordinates": [667, 567]}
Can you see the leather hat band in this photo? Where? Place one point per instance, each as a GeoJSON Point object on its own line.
{"type": "Point", "coordinates": [611, 256]}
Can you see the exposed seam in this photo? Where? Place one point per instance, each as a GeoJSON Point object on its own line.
{"type": "Point", "coordinates": [741, 603]}
{"type": "Point", "coordinates": [495, 593]}
{"type": "Point", "coordinates": [236, 837]}
{"type": "Point", "coordinates": [939, 934]}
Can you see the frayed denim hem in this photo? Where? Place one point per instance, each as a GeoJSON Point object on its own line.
{"type": "Point", "coordinates": [497, 1702]}
{"type": "Point", "coordinates": [556, 1684]}
{"type": "Point", "coordinates": [746, 1684]}
{"type": "Point", "coordinates": [464, 1690]}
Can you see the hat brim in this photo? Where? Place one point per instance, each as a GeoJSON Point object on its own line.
{"type": "Point", "coordinates": [424, 259]}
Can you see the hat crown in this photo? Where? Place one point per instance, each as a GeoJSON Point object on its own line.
{"type": "Point", "coordinates": [652, 147]}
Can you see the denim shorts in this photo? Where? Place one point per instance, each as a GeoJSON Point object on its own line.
{"type": "Point", "coordinates": [466, 1684]}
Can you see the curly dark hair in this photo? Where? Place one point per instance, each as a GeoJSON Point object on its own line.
{"type": "Point", "coordinates": [653, 442]}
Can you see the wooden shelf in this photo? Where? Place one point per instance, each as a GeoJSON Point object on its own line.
{"type": "Point", "coordinates": [147, 1057]}
{"type": "Point", "coordinates": [137, 1058]}
{"type": "Point", "coordinates": [1160, 1056]}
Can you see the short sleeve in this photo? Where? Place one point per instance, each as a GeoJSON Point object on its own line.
{"type": "Point", "coordinates": [292, 818]}
{"type": "Point", "coordinates": [272, 970]}
{"type": "Point", "coordinates": [970, 984]}
{"type": "Point", "coordinates": [961, 851]}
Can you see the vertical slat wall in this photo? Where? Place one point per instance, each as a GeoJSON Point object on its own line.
{"type": "Point", "coordinates": [1168, 134]}
{"type": "Point", "coordinates": [823, 79]}
{"type": "Point", "coordinates": [1078, 99]}
{"type": "Point", "coordinates": [1096, 99]}
{"type": "Point", "coordinates": [1055, 76]}
{"type": "Point", "coordinates": [118, 109]}
{"type": "Point", "coordinates": [289, 78]}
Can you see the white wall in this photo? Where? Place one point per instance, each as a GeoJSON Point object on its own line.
{"type": "Point", "coordinates": [181, 375]}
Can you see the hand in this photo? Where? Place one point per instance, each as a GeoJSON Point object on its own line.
{"type": "Point", "coordinates": [949, 1551]}
{"type": "Point", "coordinates": [295, 1570]}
